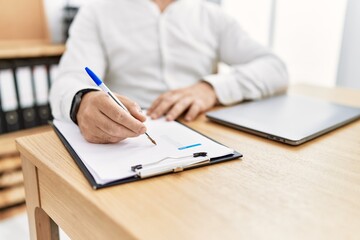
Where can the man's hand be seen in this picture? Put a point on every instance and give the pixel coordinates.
(101, 120)
(195, 99)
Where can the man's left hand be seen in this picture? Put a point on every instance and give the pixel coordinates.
(193, 100)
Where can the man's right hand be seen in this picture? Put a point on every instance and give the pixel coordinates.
(101, 120)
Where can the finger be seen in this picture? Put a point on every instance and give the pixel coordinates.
(114, 129)
(178, 109)
(120, 116)
(164, 105)
(150, 110)
(133, 107)
(193, 112)
(159, 100)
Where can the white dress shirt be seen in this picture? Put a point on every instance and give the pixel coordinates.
(141, 52)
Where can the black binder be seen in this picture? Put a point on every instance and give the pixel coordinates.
(43, 114)
(27, 113)
(95, 185)
(2, 117)
(13, 120)
(41, 108)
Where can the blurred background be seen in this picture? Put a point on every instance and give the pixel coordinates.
(317, 39)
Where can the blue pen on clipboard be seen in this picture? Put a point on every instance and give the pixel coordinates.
(190, 146)
(102, 85)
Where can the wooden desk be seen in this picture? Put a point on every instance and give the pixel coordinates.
(274, 192)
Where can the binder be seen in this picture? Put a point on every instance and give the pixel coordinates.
(84, 169)
(2, 115)
(25, 89)
(41, 91)
(10, 101)
(43, 113)
(24, 96)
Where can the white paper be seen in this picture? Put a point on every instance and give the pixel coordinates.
(110, 162)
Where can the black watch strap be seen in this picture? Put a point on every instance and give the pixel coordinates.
(75, 105)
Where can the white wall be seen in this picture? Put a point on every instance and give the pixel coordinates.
(308, 37)
(307, 34)
(349, 69)
(253, 16)
(54, 17)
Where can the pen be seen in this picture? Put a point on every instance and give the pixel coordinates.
(102, 85)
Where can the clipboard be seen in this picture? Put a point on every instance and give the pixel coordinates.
(95, 185)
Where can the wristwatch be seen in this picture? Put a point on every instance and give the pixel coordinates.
(75, 105)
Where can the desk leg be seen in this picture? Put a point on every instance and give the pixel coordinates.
(40, 224)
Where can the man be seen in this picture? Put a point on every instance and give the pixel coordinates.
(163, 55)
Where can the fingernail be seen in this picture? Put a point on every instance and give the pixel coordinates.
(188, 118)
(169, 118)
(153, 116)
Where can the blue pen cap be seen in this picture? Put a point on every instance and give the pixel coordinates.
(93, 76)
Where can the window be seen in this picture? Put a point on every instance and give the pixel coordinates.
(307, 34)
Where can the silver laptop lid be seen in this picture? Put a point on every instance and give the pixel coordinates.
(290, 119)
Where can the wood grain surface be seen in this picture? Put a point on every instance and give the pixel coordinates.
(9, 164)
(12, 196)
(7, 141)
(275, 192)
(20, 49)
(13, 211)
(10, 179)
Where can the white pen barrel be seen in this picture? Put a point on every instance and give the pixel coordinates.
(104, 87)
(107, 90)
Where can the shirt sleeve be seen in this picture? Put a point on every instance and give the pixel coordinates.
(255, 71)
(83, 48)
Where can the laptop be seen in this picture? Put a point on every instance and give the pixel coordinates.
(290, 119)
